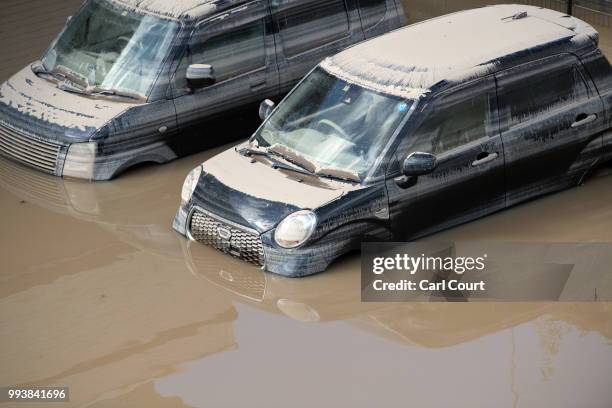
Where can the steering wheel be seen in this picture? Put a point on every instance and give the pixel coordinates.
(331, 125)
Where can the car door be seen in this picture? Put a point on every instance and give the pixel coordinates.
(309, 31)
(460, 128)
(549, 117)
(239, 46)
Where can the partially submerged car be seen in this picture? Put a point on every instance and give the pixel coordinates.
(407, 134)
(133, 81)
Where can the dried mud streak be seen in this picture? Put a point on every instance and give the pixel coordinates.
(455, 48)
(419, 10)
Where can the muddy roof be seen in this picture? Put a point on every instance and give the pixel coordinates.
(188, 9)
(461, 46)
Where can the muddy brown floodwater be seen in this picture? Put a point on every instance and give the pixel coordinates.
(98, 294)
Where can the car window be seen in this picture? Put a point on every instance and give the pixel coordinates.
(108, 46)
(528, 98)
(372, 12)
(332, 123)
(455, 120)
(310, 24)
(231, 53)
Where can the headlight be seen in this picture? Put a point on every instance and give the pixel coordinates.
(295, 229)
(190, 184)
(80, 160)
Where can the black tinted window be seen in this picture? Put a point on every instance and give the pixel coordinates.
(531, 96)
(372, 12)
(455, 121)
(311, 24)
(234, 52)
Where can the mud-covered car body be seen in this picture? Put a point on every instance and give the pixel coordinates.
(130, 81)
(496, 105)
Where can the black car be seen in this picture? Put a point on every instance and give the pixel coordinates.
(407, 134)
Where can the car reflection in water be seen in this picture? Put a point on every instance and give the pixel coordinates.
(136, 210)
(335, 295)
(94, 310)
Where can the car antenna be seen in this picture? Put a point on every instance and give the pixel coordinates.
(516, 16)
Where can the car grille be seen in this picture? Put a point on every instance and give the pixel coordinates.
(17, 145)
(226, 237)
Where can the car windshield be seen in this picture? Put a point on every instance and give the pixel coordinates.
(332, 126)
(111, 48)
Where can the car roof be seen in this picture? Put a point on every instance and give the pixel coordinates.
(179, 9)
(412, 61)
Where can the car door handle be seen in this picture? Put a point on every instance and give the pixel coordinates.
(486, 159)
(583, 119)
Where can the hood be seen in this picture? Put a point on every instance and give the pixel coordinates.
(255, 195)
(36, 105)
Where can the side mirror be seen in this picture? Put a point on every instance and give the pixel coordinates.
(419, 164)
(416, 164)
(200, 76)
(265, 109)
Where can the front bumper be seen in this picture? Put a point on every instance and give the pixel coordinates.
(260, 249)
(61, 159)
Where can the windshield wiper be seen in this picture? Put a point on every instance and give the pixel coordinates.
(282, 166)
(39, 68)
(339, 174)
(74, 88)
(293, 157)
(113, 92)
(248, 151)
(303, 165)
(63, 85)
(69, 76)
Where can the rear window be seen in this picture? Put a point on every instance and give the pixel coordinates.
(532, 96)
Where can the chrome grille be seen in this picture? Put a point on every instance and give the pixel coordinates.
(16, 145)
(226, 237)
